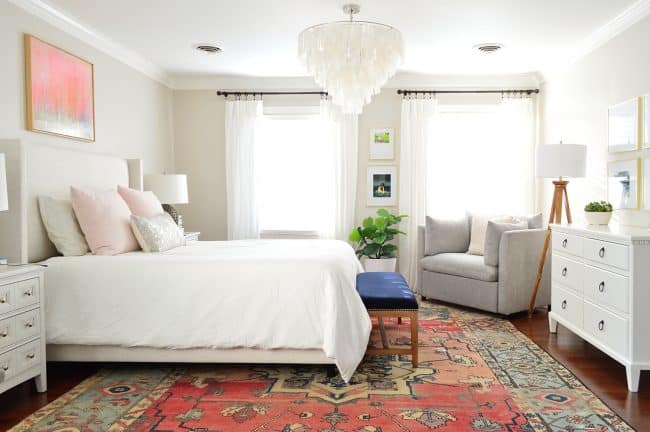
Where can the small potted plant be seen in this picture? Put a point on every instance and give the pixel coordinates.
(598, 212)
(373, 238)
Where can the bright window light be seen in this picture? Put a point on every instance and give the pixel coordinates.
(294, 167)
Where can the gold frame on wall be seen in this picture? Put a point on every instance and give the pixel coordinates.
(644, 121)
(27, 38)
(639, 182)
(637, 102)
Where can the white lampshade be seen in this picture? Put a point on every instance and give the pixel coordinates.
(4, 196)
(561, 160)
(169, 188)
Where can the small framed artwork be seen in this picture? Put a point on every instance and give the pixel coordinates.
(623, 184)
(59, 91)
(646, 122)
(382, 143)
(382, 186)
(646, 183)
(623, 126)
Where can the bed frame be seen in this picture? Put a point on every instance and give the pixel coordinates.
(37, 169)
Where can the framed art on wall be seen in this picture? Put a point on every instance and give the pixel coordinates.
(382, 186)
(59, 91)
(623, 126)
(646, 122)
(382, 143)
(623, 184)
(646, 183)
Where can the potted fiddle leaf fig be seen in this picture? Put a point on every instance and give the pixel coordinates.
(598, 212)
(373, 241)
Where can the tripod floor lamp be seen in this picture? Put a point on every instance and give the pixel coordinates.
(557, 161)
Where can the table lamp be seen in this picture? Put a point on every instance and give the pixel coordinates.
(170, 189)
(557, 161)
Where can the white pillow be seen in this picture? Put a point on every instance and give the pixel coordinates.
(157, 233)
(62, 226)
(479, 226)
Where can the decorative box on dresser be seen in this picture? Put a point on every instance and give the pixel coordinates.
(600, 290)
(22, 327)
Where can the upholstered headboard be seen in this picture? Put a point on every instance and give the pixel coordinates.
(37, 169)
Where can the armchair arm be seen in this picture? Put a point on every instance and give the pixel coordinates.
(519, 255)
(421, 234)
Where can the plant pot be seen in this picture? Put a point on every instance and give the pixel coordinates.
(379, 264)
(598, 218)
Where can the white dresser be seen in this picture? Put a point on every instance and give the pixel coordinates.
(22, 327)
(600, 290)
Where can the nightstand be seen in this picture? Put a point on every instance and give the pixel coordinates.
(192, 236)
(22, 327)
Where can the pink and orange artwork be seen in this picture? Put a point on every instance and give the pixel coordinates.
(60, 97)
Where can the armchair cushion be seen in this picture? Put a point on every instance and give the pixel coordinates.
(493, 239)
(444, 236)
(479, 226)
(460, 264)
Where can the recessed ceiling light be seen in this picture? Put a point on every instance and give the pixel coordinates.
(488, 48)
(207, 48)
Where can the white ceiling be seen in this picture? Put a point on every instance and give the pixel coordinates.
(259, 37)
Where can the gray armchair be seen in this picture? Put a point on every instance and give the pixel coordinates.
(447, 274)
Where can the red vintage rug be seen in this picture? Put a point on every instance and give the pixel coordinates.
(477, 373)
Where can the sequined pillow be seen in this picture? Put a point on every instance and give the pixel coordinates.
(157, 233)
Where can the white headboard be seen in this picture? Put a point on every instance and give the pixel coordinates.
(37, 169)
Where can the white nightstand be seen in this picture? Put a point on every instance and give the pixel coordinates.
(22, 327)
(192, 236)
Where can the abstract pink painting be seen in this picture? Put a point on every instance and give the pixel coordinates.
(60, 97)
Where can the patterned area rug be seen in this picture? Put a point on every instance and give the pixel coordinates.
(477, 373)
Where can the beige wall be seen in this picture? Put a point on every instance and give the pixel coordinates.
(573, 108)
(133, 112)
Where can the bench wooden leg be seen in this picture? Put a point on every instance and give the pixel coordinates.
(399, 320)
(414, 339)
(387, 349)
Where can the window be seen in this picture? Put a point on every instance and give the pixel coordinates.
(480, 158)
(294, 169)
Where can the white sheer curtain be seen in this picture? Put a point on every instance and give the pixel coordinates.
(415, 127)
(342, 132)
(481, 158)
(242, 117)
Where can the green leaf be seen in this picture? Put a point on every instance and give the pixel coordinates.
(389, 249)
(355, 235)
(383, 213)
(368, 222)
(371, 250)
(380, 239)
(370, 232)
(381, 223)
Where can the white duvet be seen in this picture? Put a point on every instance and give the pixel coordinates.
(255, 293)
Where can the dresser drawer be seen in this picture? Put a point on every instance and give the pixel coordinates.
(27, 325)
(603, 287)
(608, 328)
(26, 292)
(567, 272)
(8, 364)
(567, 305)
(27, 356)
(567, 243)
(613, 254)
(7, 332)
(7, 298)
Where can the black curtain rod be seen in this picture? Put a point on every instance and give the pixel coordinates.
(263, 93)
(407, 92)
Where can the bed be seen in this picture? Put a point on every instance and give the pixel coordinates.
(255, 301)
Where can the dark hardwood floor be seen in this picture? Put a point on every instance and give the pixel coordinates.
(601, 374)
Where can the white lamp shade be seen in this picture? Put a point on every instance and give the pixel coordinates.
(561, 160)
(169, 188)
(4, 197)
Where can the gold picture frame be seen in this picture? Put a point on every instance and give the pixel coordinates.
(623, 126)
(59, 91)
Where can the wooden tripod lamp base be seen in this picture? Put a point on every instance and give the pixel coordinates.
(560, 200)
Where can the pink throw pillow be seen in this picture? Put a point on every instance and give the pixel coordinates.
(104, 219)
(144, 204)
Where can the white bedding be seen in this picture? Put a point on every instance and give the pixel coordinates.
(255, 293)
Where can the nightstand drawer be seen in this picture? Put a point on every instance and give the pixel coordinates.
(567, 272)
(567, 243)
(607, 288)
(26, 292)
(27, 325)
(613, 254)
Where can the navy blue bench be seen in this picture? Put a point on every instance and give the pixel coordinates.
(386, 294)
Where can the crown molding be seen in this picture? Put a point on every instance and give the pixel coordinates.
(94, 38)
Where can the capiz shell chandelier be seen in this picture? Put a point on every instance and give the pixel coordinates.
(351, 60)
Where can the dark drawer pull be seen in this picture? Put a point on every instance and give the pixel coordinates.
(5, 367)
(601, 325)
(601, 252)
(564, 270)
(601, 286)
(31, 356)
(564, 243)
(563, 304)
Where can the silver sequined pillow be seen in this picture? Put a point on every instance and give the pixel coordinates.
(157, 233)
